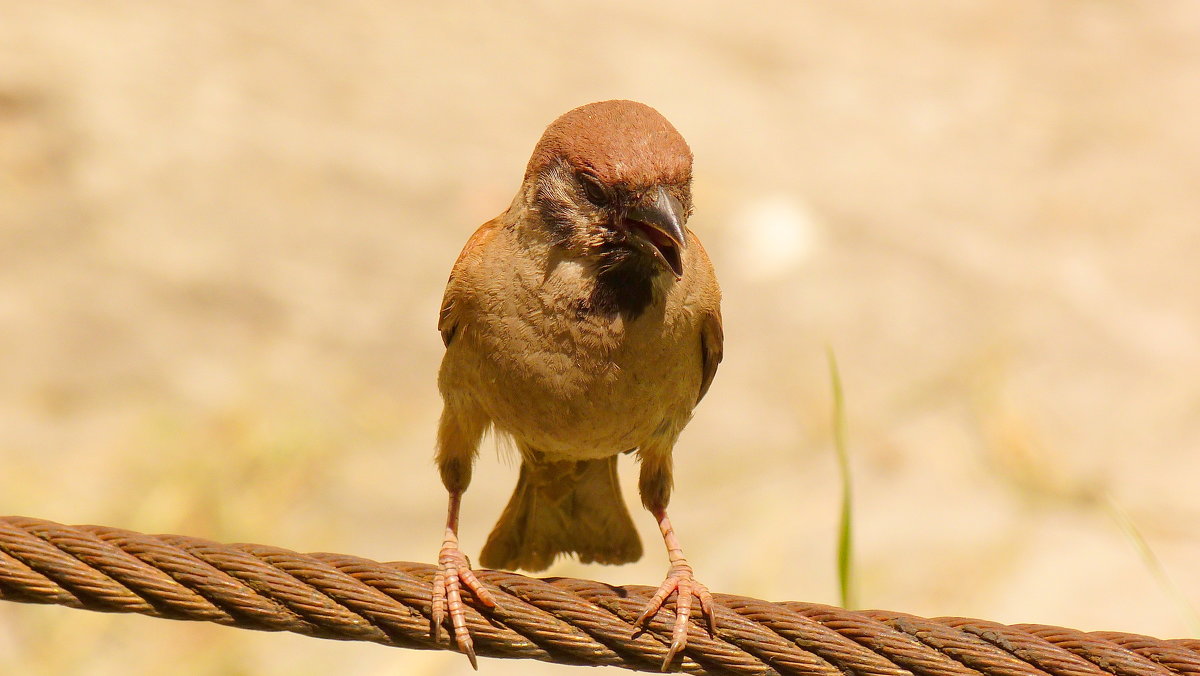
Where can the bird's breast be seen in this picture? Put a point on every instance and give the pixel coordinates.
(570, 376)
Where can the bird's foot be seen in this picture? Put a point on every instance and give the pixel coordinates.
(454, 572)
(681, 581)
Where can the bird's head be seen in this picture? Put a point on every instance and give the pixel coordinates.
(611, 181)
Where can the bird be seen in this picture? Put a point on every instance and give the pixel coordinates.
(582, 323)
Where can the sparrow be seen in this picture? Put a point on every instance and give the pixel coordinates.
(583, 322)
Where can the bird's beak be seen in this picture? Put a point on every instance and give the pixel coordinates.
(658, 219)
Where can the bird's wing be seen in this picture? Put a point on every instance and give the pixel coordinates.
(459, 286)
(708, 304)
(712, 341)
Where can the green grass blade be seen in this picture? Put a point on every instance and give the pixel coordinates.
(845, 550)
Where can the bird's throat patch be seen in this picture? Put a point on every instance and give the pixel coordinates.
(625, 287)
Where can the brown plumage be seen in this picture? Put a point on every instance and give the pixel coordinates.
(582, 322)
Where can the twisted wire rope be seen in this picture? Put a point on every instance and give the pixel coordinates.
(563, 620)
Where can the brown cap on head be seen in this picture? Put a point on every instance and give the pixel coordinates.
(621, 142)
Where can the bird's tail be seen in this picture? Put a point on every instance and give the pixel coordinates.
(570, 507)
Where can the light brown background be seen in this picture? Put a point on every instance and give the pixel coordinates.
(225, 227)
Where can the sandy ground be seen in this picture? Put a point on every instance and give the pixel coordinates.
(225, 228)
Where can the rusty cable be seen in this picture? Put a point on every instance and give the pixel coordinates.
(562, 620)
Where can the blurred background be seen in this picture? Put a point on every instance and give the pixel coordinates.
(225, 228)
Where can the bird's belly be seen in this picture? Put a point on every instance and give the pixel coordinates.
(588, 418)
(586, 403)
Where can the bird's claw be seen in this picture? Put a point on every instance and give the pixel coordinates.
(454, 572)
(681, 582)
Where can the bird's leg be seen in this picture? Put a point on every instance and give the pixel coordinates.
(655, 485)
(454, 571)
(459, 432)
(680, 580)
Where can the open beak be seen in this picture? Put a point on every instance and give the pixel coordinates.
(658, 218)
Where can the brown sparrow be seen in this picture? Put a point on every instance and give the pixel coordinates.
(583, 322)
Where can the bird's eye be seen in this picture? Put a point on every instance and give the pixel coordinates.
(596, 193)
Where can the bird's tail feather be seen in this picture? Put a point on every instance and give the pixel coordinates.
(569, 507)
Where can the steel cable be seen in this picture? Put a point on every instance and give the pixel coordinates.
(561, 620)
